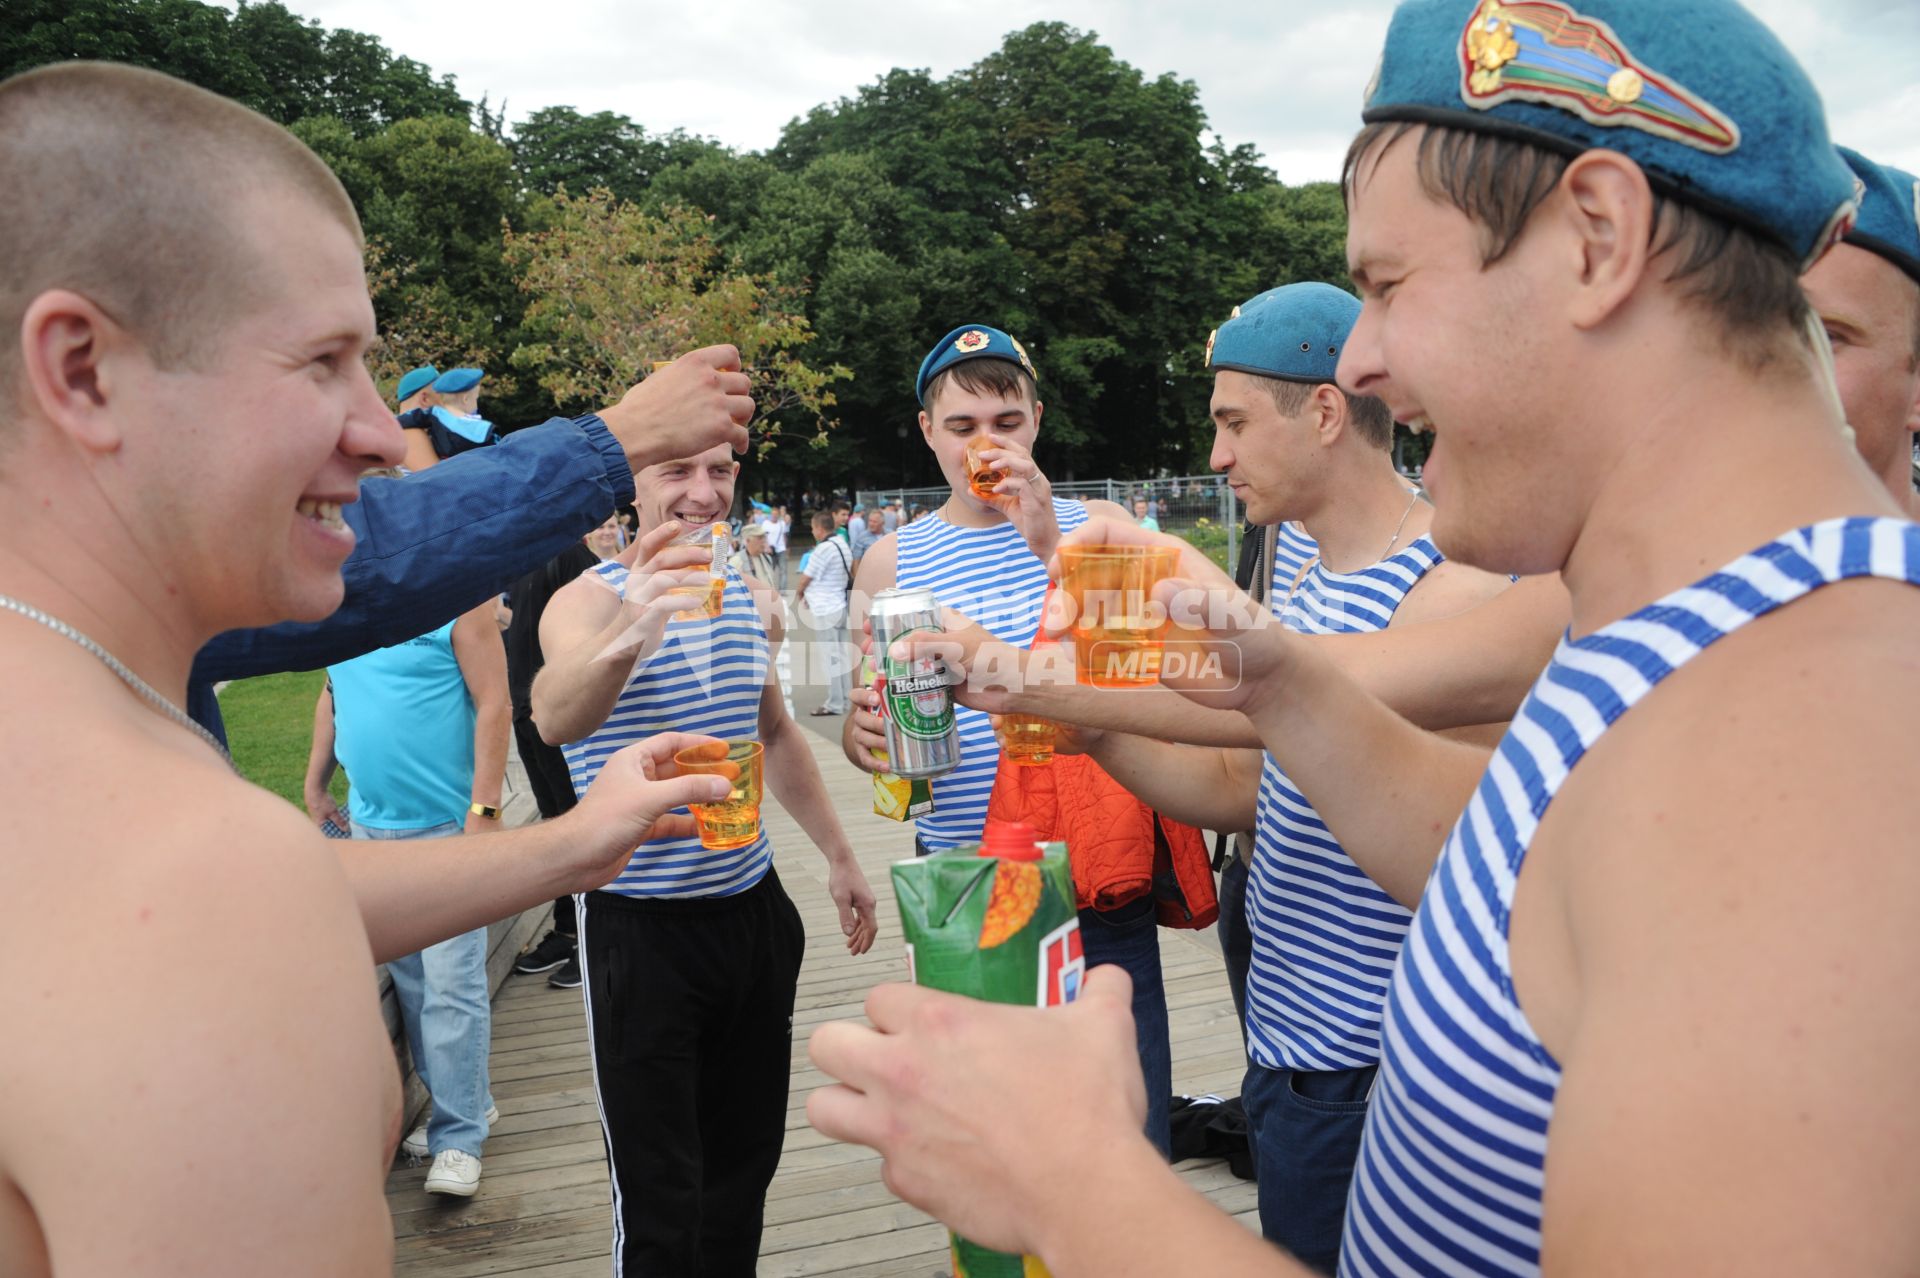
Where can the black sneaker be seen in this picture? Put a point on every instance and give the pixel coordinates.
(554, 949)
(568, 976)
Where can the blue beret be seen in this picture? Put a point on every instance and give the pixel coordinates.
(1295, 332)
(412, 383)
(455, 380)
(1700, 95)
(1889, 212)
(970, 341)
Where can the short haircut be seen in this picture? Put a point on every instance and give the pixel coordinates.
(821, 519)
(839, 506)
(128, 187)
(1369, 413)
(1750, 285)
(985, 377)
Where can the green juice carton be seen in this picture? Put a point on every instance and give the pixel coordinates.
(995, 922)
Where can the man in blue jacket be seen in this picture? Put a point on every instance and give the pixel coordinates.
(431, 546)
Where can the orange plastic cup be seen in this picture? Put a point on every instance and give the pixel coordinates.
(734, 821)
(1028, 739)
(1117, 628)
(705, 599)
(981, 477)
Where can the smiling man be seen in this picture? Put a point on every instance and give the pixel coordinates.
(1652, 1013)
(184, 410)
(1295, 447)
(691, 955)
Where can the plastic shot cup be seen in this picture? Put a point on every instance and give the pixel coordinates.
(1117, 628)
(981, 477)
(704, 599)
(1027, 738)
(734, 821)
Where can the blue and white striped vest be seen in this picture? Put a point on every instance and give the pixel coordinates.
(1325, 936)
(991, 576)
(705, 677)
(1451, 1172)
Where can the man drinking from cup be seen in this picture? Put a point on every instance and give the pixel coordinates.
(983, 552)
(692, 953)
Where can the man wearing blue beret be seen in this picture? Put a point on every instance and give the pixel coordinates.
(450, 423)
(1295, 447)
(1867, 294)
(415, 389)
(986, 557)
(1653, 1013)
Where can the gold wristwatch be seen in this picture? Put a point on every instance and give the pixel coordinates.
(486, 810)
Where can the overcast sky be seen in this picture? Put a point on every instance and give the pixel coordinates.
(1286, 76)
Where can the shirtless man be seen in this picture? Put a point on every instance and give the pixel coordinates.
(183, 408)
(1679, 965)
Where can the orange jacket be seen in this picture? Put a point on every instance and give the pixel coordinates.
(1120, 848)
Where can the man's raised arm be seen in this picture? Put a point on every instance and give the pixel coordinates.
(437, 888)
(593, 637)
(433, 545)
(1472, 667)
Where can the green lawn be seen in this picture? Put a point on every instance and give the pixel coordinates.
(270, 727)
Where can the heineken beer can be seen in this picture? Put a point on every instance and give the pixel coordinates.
(999, 923)
(915, 701)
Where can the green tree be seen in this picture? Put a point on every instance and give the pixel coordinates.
(183, 38)
(612, 288)
(1051, 189)
(434, 195)
(286, 67)
(558, 147)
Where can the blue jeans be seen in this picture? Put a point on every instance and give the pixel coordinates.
(1236, 942)
(1304, 1127)
(448, 1019)
(1129, 938)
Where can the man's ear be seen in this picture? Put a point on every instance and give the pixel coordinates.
(1603, 210)
(1329, 414)
(66, 347)
(1038, 409)
(926, 427)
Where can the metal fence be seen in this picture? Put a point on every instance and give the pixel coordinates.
(1200, 508)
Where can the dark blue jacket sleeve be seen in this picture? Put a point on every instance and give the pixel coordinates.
(435, 544)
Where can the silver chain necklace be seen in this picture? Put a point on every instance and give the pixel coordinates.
(1412, 500)
(140, 686)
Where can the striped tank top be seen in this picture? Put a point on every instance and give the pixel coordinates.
(705, 677)
(1451, 1170)
(1325, 936)
(991, 576)
(1293, 548)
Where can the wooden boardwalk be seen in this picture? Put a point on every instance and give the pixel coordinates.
(543, 1206)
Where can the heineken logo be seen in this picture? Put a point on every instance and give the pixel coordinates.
(917, 685)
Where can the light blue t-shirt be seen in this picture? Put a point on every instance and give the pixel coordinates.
(403, 730)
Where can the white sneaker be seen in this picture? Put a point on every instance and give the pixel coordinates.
(415, 1145)
(454, 1173)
